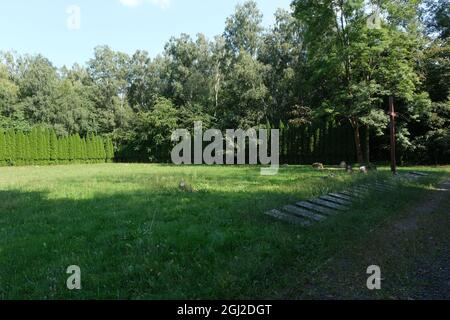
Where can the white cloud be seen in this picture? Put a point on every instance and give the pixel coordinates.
(162, 4)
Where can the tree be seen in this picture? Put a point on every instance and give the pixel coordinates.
(282, 50)
(244, 94)
(10, 140)
(53, 141)
(109, 72)
(109, 150)
(145, 82)
(20, 146)
(188, 70)
(2, 147)
(436, 17)
(37, 80)
(153, 131)
(243, 30)
(351, 56)
(8, 94)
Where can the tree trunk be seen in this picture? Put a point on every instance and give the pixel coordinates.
(359, 153)
(367, 145)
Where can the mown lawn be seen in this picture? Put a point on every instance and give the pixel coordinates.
(135, 235)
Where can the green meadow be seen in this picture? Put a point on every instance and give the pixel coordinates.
(136, 235)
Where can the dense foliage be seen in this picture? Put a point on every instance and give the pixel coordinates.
(42, 146)
(327, 61)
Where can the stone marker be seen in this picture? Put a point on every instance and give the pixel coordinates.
(336, 200)
(304, 213)
(361, 189)
(352, 194)
(384, 186)
(328, 204)
(318, 166)
(380, 189)
(287, 217)
(341, 196)
(419, 173)
(317, 208)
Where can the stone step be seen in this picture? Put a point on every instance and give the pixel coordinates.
(352, 194)
(421, 174)
(336, 200)
(361, 190)
(328, 204)
(317, 208)
(389, 182)
(303, 213)
(382, 188)
(341, 196)
(383, 185)
(277, 214)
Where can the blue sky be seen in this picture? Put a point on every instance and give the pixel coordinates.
(41, 26)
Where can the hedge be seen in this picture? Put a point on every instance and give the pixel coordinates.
(42, 146)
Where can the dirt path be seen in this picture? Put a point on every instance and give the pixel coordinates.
(412, 252)
(434, 274)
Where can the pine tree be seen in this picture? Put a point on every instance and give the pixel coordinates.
(2, 147)
(19, 152)
(53, 145)
(109, 149)
(60, 150)
(89, 148)
(101, 144)
(98, 152)
(34, 145)
(83, 150)
(11, 146)
(70, 148)
(66, 149)
(96, 148)
(40, 145)
(27, 150)
(79, 148)
(47, 147)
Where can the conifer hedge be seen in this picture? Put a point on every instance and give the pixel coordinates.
(42, 146)
(326, 142)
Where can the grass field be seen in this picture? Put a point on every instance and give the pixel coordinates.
(135, 235)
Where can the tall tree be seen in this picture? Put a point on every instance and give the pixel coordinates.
(361, 52)
(243, 30)
(109, 72)
(244, 94)
(282, 50)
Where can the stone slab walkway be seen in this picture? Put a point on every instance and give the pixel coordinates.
(307, 213)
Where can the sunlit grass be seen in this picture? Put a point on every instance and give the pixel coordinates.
(136, 235)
